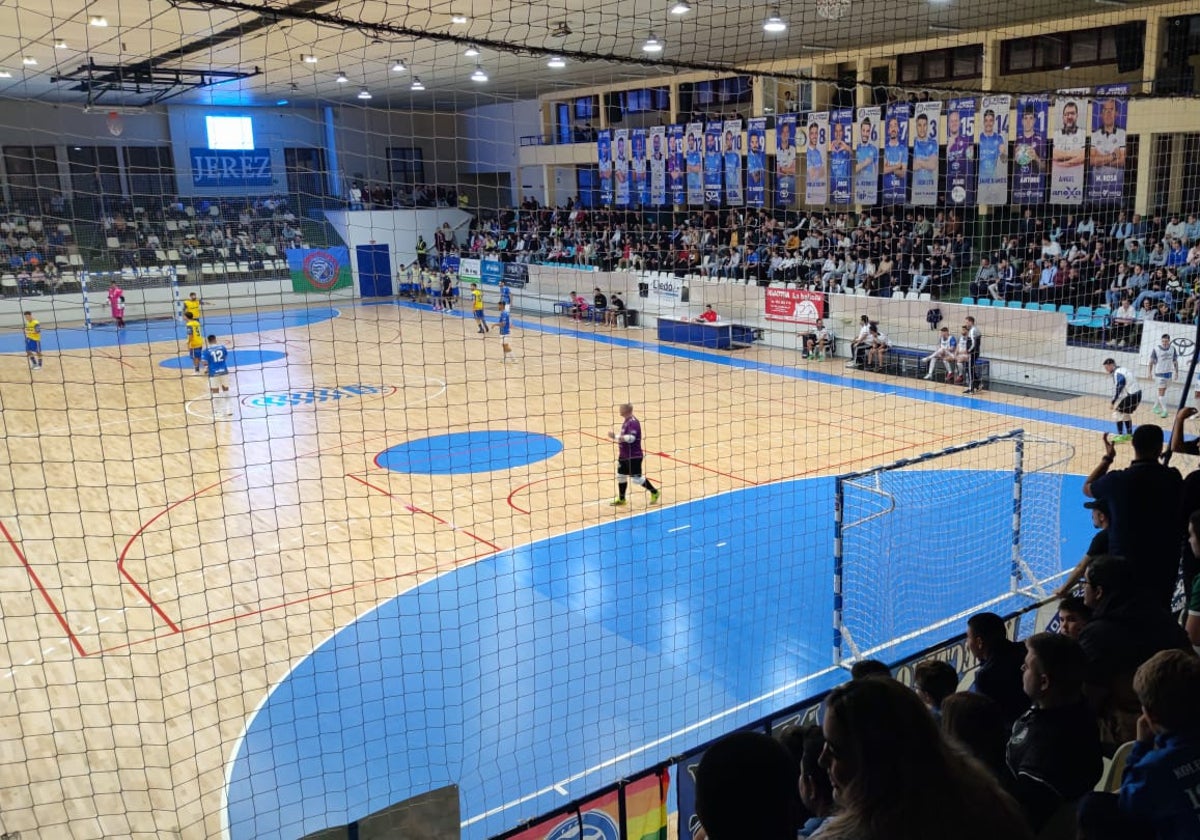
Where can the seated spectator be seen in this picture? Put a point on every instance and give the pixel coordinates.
(1001, 663)
(985, 278)
(877, 353)
(1073, 616)
(746, 787)
(816, 790)
(819, 341)
(864, 668)
(896, 778)
(934, 680)
(976, 723)
(1127, 628)
(616, 311)
(599, 303)
(1124, 323)
(1054, 752)
(1193, 599)
(1162, 773)
(579, 306)
(708, 316)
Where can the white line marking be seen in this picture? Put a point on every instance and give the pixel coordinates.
(680, 528)
(561, 789)
(722, 545)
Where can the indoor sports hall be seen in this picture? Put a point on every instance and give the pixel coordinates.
(379, 586)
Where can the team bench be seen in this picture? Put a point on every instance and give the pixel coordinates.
(906, 361)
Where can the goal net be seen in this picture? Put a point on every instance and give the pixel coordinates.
(925, 542)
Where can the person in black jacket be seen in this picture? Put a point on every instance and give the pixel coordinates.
(999, 674)
(1054, 751)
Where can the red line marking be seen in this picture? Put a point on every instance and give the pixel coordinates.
(413, 509)
(125, 551)
(114, 358)
(45, 595)
(681, 461)
(529, 484)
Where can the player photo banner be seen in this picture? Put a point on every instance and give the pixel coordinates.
(795, 306)
(895, 154)
(866, 156)
(1029, 150)
(841, 156)
(1070, 147)
(1110, 118)
(604, 155)
(319, 270)
(993, 150)
(732, 146)
(695, 163)
(621, 166)
(640, 193)
(676, 164)
(756, 162)
(960, 152)
(785, 159)
(712, 163)
(925, 153)
(658, 165)
(816, 179)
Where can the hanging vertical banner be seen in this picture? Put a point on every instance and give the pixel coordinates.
(785, 159)
(1106, 183)
(1029, 150)
(604, 153)
(841, 156)
(866, 157)
(925, 153)
(895, 154)
(640, 194)
(676, 164)
(658, 166)
(600, 817)
(993, 150)
(646, 806)
(621, 166)
(733, 162)
(960, 152)
(816, 180)
(712, 163)
(1070, 147)
(756, 162)
(695, 163)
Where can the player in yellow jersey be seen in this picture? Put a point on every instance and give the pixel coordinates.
(477, 307)
(191, 308)
(195, 341)
(33, 340)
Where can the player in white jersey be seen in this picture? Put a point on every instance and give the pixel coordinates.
(946, 350)
(1164, 366)
(1127, 396)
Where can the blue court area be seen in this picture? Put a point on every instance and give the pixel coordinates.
(150, 332)
(462, 453)
(542, 672)
(235, 359)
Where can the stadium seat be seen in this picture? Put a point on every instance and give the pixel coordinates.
(1033, 306)
(181, 271)
(1068, 310)
(984, 302)
(173, 255)
(1110, 782)
(207, 271)
(968, 301)
(8, 285)
(1100, 316)
(1049, 307)
(925, 296)
(112, 242)
(860, 292)
(1014, 304)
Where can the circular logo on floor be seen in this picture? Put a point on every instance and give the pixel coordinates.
(321, 268)
(312, 396)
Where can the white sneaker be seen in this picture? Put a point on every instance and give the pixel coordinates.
(928, 375)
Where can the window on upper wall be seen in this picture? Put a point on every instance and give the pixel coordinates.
(941, 65)
(1066, 50)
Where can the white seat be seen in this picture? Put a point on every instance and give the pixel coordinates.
(8, 284)
(75, 259)
(161, 256)
(207, 270)
(64, 229)
(243, 267)
(181, 271)
(860, 292)
(112, 242)
(925, 296)
(172, 225)
(172, 255)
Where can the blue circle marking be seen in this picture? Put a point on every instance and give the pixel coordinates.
(469, 452)
(237, 359)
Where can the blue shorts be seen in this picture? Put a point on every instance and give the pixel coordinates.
(32, 346)
(195, 352)
(1164, 378)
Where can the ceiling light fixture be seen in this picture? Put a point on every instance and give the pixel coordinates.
(653, 45)
(775, 24)
(480, 75)
(416, 84)
(29, 61)
(399, 66)
(458, 18)
(557, 62)
(471, 51)
(680, 7)
(5, 74)
(309, 59)
(98, 20)
(341, 78)
(364, 94)
(60, 44)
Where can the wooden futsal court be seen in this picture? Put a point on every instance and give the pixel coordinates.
(164, 569)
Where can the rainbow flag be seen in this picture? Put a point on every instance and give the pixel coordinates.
(646, 807)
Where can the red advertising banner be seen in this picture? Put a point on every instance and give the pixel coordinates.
(797, 306)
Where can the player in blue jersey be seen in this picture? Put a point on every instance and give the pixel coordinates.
(839, 156)
(895, 160)
(505, 294)
(216, 360)
(992, 149)
(504, 321)
(925, 155)
(866, 163)
(629, 457)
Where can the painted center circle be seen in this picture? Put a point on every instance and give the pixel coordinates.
(237, 359)
(469, 452)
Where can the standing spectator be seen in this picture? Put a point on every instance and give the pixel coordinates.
(629, 457)
(896, 778)
(1054, 752)
(746, 787)
(934, 680)
(1001, 661)
(1143, 501)
(1098, 545)
(973, 349)
(1158, 788)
